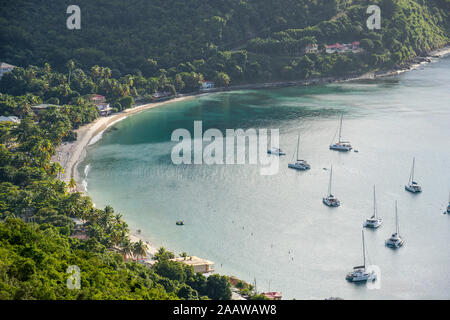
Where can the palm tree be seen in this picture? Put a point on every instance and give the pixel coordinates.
(70, 66)
(140, 249)
(127, 249)
(183, 255)
(72, 184)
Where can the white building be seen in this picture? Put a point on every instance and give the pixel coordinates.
(4, 68)
(12, 119)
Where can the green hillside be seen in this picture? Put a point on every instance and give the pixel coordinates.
(250, 41)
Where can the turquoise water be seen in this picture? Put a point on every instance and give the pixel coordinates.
(275, 229)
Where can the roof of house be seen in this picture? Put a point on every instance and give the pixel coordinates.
(355, 43)
(9, 118)
(44, 106)
(4, 65)
(336, 45)
(96, 97)
(194, 261)
(272, 295)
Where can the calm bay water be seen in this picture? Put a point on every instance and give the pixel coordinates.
(275, 229)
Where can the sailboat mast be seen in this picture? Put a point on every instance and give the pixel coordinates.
(329, 184)
(374, 203)
(340, 127)
(397, 230)
(412, 170)
(364, 249)
(298, 143)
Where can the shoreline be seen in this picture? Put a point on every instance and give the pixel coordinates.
(69, 155)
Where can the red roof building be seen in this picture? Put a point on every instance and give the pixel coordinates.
(272, 295)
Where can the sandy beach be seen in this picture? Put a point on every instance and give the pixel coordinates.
(70, 154)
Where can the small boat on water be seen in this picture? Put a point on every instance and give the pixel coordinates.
(331, 200)
(373, 222)
(395, 241)
(412, 185)
(341, 145)
(276, 151)
(360, 273)
(180, 223)
(299, 164)
(448, 207)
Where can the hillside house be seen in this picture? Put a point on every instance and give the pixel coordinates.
(4, 68)
(12, 119)
(42, 107)
(312, 48)
(207, 84)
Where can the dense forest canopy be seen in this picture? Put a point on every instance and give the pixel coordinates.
(248, 40)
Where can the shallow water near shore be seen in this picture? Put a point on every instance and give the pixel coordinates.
(275, 229)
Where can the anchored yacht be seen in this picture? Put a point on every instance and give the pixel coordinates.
(341, 145)
(276, 151)
(299, 164)
(395, 241)
(360, 273)
(448, 207)
(331, 200)
(373, 222)
(413, 186)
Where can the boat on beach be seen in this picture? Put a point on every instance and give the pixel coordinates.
(412, 185)
(374, 221)
(360, 273)
(331, 200)
(299, 164)
(341, 145)
(395, 241)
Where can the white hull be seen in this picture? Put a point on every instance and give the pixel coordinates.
(331, 202)
(413, 188)
(299, 166)
(276, 152)
(358, 276)
(340, 147)
(395, 242)
(372, 223)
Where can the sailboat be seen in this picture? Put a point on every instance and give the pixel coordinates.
(413, 186)
(448, 207)
(360, 273)
(299, 164)
(373, 222)
(395, 241)
(276, 151)
(341, 145)
(331, 200)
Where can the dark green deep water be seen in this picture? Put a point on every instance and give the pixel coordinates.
(275, 228)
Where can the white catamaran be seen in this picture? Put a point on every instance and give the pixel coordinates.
(331, 200)
(448, 207)
(395, 241)
(373, 222)
(360, 273)
(341, 145)
(413, 186)
(299, 164)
